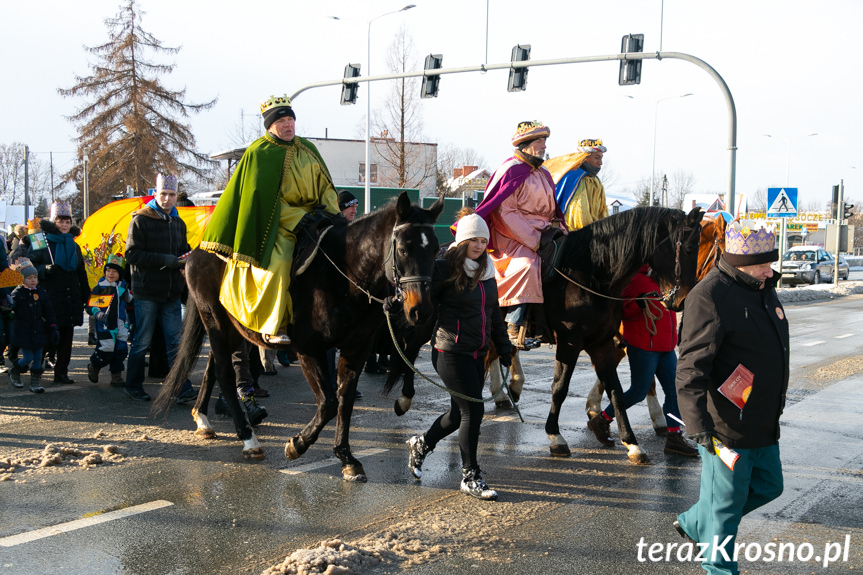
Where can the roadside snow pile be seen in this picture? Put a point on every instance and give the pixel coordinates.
(820, 291)
(55, 455)
(333, 557)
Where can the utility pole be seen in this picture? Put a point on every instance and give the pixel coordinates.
(86, 186)
(26, 184)
(839, 215)
(51, 161)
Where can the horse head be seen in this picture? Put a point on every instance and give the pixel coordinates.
(410, 262)
(712, 245)
(675, 260)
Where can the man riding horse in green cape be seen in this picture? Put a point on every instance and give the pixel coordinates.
(280, 178)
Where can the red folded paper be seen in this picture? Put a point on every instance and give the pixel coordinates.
(738, 386)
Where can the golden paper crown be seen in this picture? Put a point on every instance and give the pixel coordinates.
(116, 260)
(275, 102)
(591, 146)
(530, 131)
(747, 237)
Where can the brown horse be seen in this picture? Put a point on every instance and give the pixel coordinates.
(336, 304)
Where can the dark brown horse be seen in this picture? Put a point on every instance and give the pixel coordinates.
(597, 262)
(336, 304)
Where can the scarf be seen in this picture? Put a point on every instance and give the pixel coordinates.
(153, 204)
(65, 251)
(471, 266)
(591, 170)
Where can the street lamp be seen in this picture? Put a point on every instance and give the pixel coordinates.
(788, 149)
(655, 114)
(368, 192)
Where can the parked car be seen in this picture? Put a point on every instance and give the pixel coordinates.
(810, 265)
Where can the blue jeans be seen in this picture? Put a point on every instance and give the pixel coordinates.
(31, 357)
(644, 365)
(515, 314)
(147, 313)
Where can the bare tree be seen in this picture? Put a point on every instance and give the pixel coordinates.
(129, 126)
(680, 184)
(757, 202)
(399, 123)
(12, 175)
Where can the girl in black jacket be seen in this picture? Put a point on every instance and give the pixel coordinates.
(468, 317)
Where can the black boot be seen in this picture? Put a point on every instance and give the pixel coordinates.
(417, 451)
(256, 413)
(474, 485)
(221, 407)
(15, 375)
(36, 381)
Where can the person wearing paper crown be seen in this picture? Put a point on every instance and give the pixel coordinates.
(156, 247)
(519, 208)
(579, 192)
(107, 304)
(734, 322)
(62, 273)
(279, 179)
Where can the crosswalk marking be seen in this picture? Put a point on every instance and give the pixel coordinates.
(328, 461)
(36, 534)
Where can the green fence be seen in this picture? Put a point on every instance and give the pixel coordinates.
(451, 206)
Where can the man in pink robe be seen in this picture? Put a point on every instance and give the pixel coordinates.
(518, 205)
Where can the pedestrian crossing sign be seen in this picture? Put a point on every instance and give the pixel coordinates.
(782, 202)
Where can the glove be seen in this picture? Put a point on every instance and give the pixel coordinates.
(704, 439)
(49, 269)
(506, 360)
(54, 339)
(173, 262)
(390, 303)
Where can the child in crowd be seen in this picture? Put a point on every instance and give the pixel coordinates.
(33, 327)
(108, 306)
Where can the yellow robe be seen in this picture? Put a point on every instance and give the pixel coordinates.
(257, 297)
(587, 204)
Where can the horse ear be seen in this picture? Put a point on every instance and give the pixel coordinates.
(694, 217)
(436, 208)
(403, 207)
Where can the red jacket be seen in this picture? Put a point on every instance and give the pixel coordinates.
(636, 320)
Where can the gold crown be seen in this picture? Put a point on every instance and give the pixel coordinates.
(528, 126)
(275, 102)
(590, 143)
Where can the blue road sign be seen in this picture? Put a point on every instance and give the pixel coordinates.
(781, 202)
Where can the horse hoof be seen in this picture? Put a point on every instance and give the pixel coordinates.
(637, 456)
(560, 451)
(516, 395)
(206, 433)
(291, 451)
(355, 473)
(254, 453)
(402, 405)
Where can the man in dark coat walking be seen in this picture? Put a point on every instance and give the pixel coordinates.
(734, 327)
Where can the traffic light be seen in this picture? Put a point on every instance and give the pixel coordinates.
(630, 70)
(518, 76)
(349, 91)
(432, 83)
(835, 203)
(847, 212)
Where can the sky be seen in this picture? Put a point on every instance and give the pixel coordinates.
(791, 67)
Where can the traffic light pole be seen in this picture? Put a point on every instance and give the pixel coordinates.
(840, 204)
(729, 100)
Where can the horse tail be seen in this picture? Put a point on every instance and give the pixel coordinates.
(184, 362)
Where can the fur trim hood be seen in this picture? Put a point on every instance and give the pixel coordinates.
(50, 227)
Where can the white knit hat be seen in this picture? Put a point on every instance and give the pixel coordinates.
(470, 226)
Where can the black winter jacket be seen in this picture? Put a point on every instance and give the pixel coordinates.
(467, 321)
(154, 241)
(728, 322)
(34, 317)
(68, 290)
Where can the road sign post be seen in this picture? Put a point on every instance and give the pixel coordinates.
(782, 203)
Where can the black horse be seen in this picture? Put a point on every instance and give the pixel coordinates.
(582, 306)
(336, 303)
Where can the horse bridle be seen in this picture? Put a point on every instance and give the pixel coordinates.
(667, 296)
(391, 268)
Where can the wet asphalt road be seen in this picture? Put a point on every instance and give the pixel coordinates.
(212, 512)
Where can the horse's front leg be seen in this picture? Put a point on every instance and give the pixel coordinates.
(605, 363)
(657, 418)
(348, 373)
(199, 412)
(316, 373)
(564, 365)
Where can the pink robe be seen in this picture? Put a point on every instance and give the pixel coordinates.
(515, 231)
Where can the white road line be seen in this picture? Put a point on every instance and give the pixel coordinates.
(329, 461)
(811, 343)
(36, 534)
(843, 336)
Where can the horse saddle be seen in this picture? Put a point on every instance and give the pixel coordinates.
(550, 247)
(310, 232)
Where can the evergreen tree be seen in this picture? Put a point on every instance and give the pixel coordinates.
(131, 126)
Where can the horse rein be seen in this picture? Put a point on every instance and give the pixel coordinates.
(391, 264)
